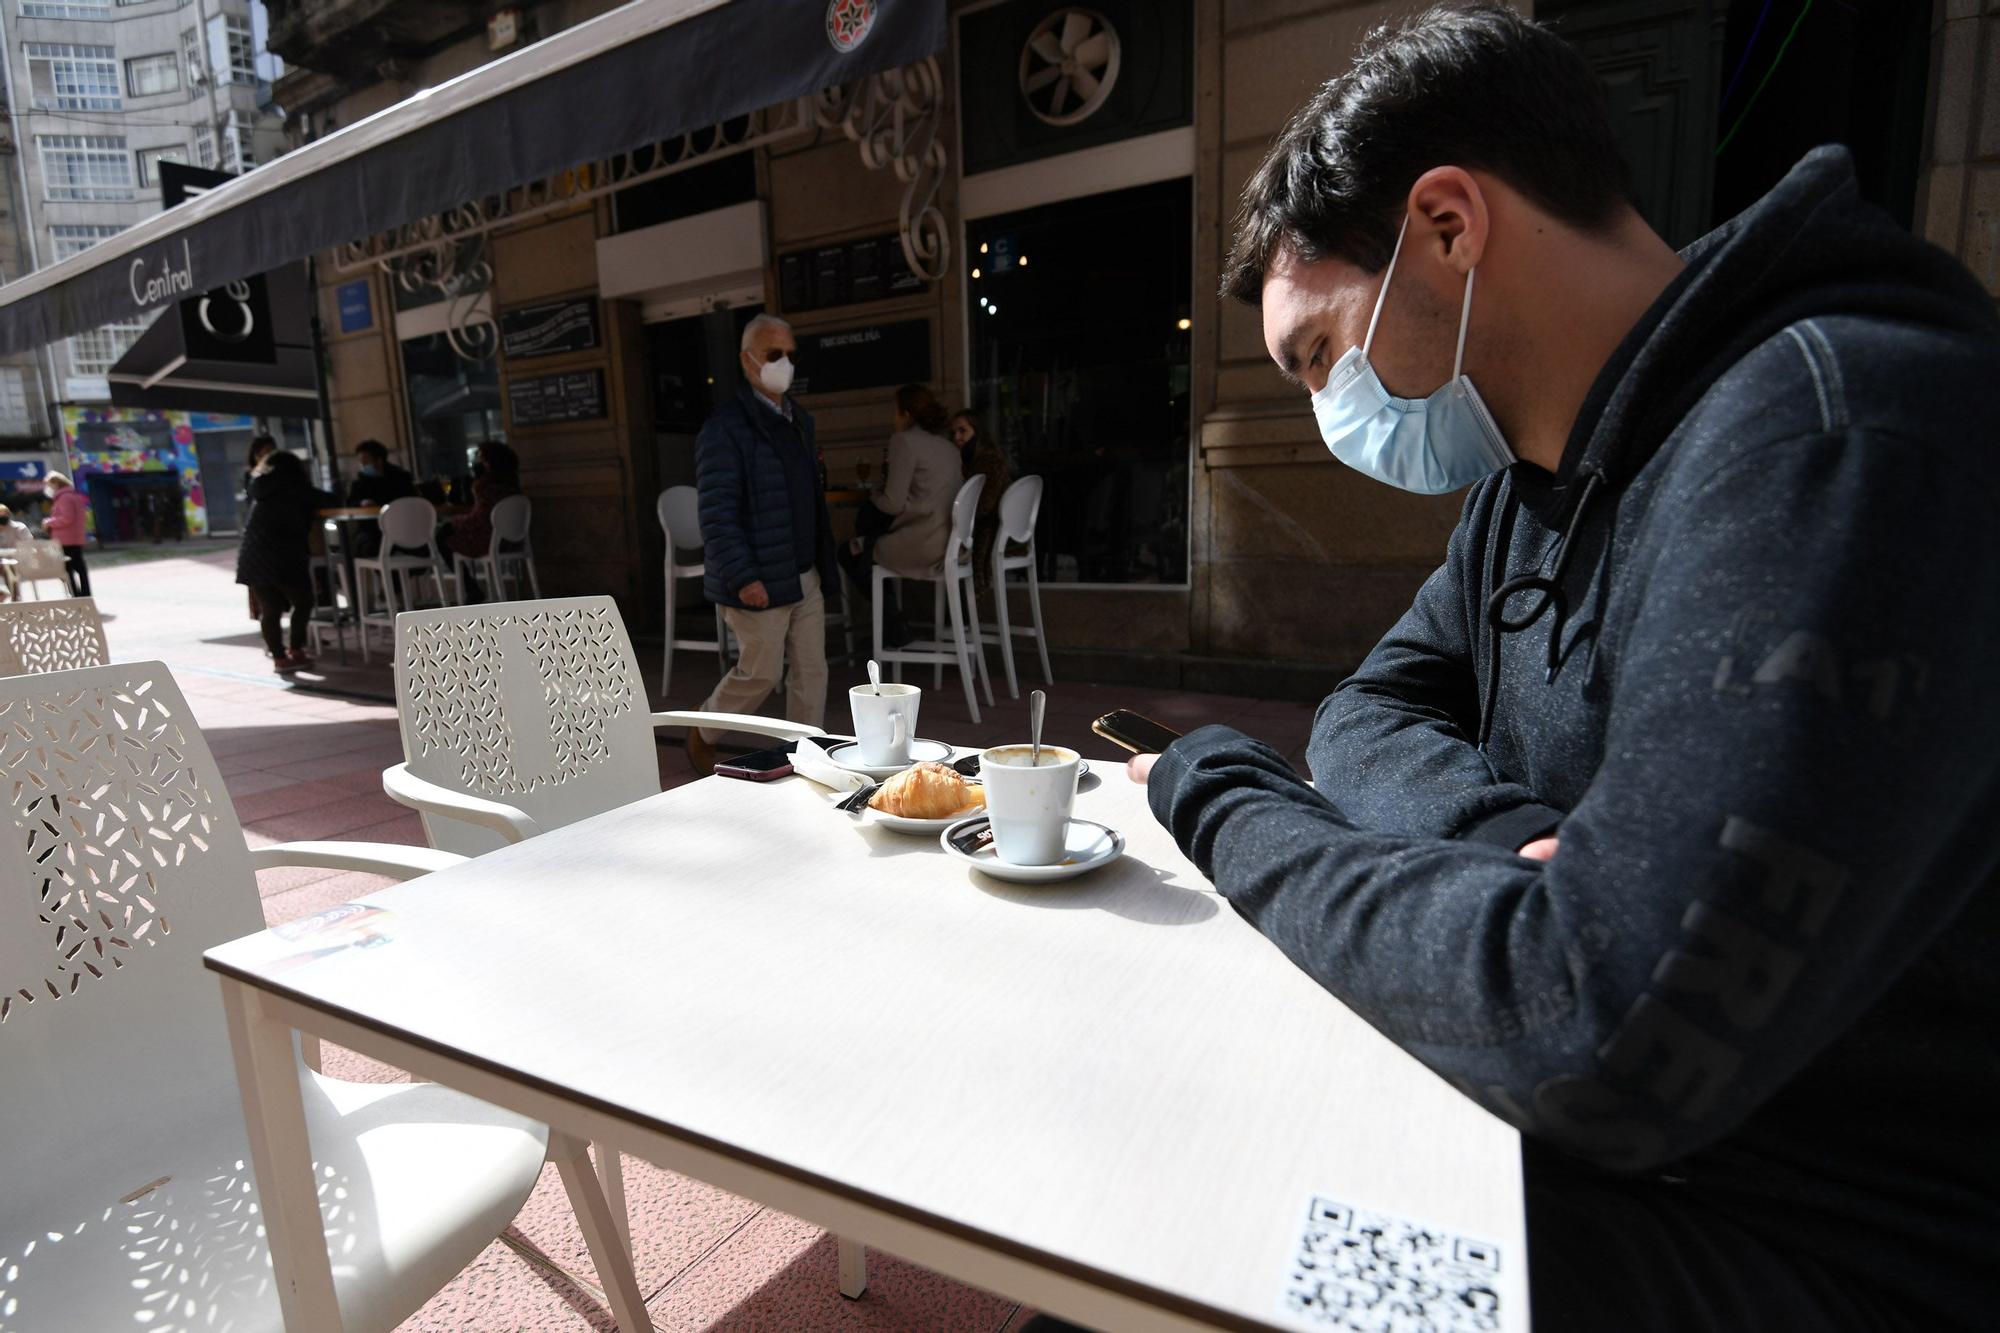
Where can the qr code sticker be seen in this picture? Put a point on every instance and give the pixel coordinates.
(1363, 1272)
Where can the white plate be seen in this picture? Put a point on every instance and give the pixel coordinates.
(905, 824)
(848, 756)
(1089, 845)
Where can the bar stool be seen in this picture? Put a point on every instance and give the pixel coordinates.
(509, 550)
(1020, 508)
(338, 611)
(409, 555)
(680, 520)
(953, 576)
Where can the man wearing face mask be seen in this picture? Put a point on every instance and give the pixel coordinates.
(1665, 824)
(766, 537)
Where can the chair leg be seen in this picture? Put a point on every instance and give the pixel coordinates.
(875, 605)
(959, 650)
(937, 628)
(1006, 630)
(611, 1176)
(1035, 605)
(853, 1267)
(600, 1236)
(667, 654)
(978, 636)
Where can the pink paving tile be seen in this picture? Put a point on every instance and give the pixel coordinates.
(283, 879)
(675, 1222)
(254, 783)
(781, 1273)
(339, 1062)
(337, 888)
(367, 779)
(284, 799)
(376, 754)
(406, 828)
(352, 811)
(502, 1290)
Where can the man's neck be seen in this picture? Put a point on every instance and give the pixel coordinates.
(776, 400)
(1601, 290)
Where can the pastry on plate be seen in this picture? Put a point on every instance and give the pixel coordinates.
(928, 791)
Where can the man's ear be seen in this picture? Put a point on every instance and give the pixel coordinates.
(1448, 218)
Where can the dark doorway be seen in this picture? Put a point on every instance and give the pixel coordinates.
(692, 365)
(137, 507)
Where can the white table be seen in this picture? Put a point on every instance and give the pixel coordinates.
(1110, 1098)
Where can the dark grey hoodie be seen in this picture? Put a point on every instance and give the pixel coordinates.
(1750, 675)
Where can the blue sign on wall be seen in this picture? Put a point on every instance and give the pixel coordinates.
(21, 469)
(356, 311)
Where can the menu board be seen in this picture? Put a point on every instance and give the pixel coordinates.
(539, 400)
(871, 356)
(845, 274)
(545, 330)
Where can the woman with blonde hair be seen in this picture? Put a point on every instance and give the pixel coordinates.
(68, 524)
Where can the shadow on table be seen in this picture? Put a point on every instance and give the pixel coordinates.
(1128, 887)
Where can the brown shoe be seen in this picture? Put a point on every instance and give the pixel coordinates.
(701, 753)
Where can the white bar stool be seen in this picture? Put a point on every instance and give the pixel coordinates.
(953, 576)
(680, 523)
(509, 551)
(409, 526)
(1020, 507)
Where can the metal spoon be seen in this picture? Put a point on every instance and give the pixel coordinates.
(874, 676)
(1036, 699)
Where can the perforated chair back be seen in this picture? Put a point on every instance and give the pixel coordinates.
(538, 704)
(1020, 508)
(40, 561)
(123, 862)
(964, 517)
(410, 522)
(51, 636)
(680, 518)
(511, 518)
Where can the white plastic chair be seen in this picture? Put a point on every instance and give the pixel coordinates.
(37, 562)
(51, 636)
(680, 524)
(510, 550)
(524, 716)
(409, 555)
(954, 600)
(334, 615)
(128, 1198)
(1020, 508)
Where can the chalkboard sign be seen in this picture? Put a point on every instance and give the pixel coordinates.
(845, 274)
(872, 356)
(538, 400)
(545, 330)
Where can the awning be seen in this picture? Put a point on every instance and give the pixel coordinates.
(157, 373)
(641, 73)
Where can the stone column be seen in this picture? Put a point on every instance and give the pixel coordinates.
(1958, 192)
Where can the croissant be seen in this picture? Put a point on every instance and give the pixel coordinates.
(928, 791)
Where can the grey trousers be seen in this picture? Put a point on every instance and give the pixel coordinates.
(766, 641)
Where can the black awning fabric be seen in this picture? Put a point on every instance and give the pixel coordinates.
(644, 72)
(156, 373)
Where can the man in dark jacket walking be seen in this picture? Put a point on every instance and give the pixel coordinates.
(767, 542)
(1665, 824)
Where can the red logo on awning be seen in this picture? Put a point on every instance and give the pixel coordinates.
(848, 23)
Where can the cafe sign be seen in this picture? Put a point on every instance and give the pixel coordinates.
(155, 283)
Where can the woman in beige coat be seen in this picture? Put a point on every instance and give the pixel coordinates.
(922, 479)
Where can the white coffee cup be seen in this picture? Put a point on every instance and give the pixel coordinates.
(885, 722)
(1029, 806)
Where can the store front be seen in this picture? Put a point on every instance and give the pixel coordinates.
(153, 476)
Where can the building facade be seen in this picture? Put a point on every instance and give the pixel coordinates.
(1039, 241)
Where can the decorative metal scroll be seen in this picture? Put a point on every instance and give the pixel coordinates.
(892, 116)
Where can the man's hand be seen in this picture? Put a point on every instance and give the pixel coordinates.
(1541, 849)
(1139, 767)
(753, 595)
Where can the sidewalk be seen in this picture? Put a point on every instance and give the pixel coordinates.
(301, 763)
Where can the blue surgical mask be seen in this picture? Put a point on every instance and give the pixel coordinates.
(371, 470)
(1427, 445)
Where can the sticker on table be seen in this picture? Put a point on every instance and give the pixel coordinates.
(1366, 1272)
(336, 930)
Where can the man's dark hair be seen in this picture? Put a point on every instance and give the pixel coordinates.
(1467, 85)
(373, 449)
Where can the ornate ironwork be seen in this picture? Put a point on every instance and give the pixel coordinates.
(893, 116)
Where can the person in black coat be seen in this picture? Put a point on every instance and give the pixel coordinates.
(377, 481)
(275, 559)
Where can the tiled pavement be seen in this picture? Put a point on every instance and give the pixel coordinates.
(301, 764)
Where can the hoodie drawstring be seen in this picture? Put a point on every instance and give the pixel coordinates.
(1550, 587)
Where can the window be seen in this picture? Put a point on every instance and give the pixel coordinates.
(95, 352)
(85, 166)
(191, 56)
(1097, 406)
(204, 145)
(232, 51)
(65, 9)
(149, 160)
(149, 76)
(73, 78)
(14, 417)
(239, 153)
(73, 238)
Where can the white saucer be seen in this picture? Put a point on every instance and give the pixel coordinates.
(905, 824)
(1089, 845)
(848, 756)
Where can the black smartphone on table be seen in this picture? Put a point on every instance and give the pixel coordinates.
(758, 765)
(1134, 731)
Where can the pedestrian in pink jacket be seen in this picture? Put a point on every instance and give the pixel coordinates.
(67, 524)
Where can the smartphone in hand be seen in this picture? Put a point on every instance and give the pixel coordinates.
(1134, 731)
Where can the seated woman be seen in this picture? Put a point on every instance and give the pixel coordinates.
(979, 456)
(916, 495)
(496, 474)
(275, 558)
